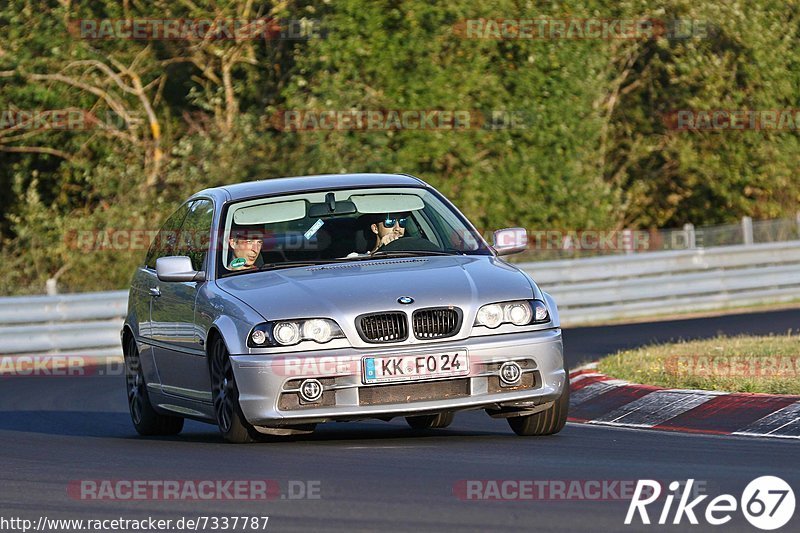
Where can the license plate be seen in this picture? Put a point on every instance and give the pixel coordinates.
(415, 367)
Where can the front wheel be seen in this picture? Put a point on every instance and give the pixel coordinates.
(145, 419)
(225, 395)
(548, 422)
(438, 421)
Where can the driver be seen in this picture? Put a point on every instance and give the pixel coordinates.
(246, 246)
(388, 228)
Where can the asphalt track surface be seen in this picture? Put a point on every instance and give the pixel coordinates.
(376, 476)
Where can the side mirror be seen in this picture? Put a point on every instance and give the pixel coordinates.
(177, 268)
(510, 241)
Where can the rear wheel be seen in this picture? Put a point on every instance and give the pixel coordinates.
(438, 421)
(547, 422)
(225, 394)
(145, 419)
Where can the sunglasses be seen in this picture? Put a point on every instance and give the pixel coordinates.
(389, 222)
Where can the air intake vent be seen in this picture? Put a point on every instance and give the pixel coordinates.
(436, 323)
(366, 264)
(383, 327)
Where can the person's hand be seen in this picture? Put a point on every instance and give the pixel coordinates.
(389, 237)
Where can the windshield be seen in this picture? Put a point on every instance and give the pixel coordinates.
(342, 225)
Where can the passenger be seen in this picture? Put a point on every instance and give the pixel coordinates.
(246, 246)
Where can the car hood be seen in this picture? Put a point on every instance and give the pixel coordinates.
(343, 290)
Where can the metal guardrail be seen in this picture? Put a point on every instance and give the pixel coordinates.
(63, 308)
(617, 287)
(85, 324)
(587, 290)
(564, 272)
(546, 245)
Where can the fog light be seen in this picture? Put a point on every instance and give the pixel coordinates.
(311, 390)
(510, 373)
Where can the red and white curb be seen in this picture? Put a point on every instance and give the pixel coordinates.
(598, 399)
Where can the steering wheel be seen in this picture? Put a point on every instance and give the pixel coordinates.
(408, 244)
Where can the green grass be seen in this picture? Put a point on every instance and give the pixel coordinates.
(732, 364)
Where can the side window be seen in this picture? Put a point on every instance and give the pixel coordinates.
(165, 242)
(195, 233)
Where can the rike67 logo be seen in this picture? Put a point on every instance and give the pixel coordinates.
(767, 503)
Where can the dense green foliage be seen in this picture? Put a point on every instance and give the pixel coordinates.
(591, 148)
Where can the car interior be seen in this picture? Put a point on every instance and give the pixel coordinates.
(337, 237)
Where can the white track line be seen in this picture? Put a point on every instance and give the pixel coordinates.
(776, 424)
(654, 408)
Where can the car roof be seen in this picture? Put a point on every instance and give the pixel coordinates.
(301, 184)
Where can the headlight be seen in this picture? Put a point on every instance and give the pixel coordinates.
(519, 313)
(490, 316)
(317, 330)
(290, 332)
(287, 333)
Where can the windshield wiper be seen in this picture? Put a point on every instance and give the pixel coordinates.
(290, 264)
(413, 253)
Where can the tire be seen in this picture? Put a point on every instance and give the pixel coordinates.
(438, 421)
(145, 419)
(547, 422)
(225, 395)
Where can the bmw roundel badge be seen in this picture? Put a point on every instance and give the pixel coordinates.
(405, 300)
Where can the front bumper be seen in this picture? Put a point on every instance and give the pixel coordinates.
(268, 384)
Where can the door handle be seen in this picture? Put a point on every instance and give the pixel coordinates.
(155, 292)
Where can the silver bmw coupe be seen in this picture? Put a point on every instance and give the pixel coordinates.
(271, 306)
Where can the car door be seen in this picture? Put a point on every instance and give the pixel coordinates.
(144, 289)
(180, 356)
